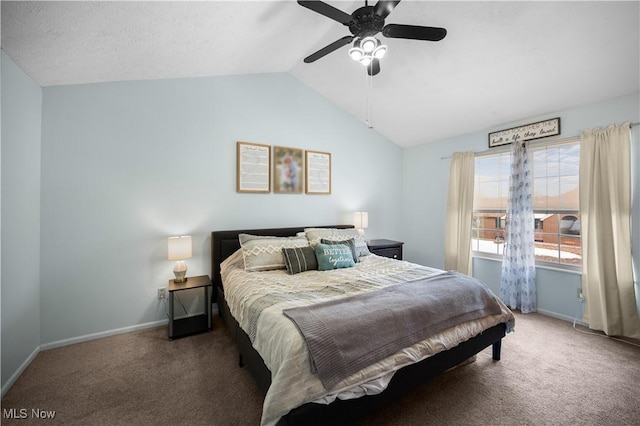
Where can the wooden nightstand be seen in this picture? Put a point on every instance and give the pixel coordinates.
(194, 324)
(386, 248)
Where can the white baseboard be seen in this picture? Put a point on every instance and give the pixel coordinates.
(20, 370)
(100, 335)
(562, 317)
(73, 340)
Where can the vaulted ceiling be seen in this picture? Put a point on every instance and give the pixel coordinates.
(500, 61)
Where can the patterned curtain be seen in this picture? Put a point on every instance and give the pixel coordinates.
(517, 282)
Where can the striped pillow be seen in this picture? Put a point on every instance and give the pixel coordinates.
(299, 259)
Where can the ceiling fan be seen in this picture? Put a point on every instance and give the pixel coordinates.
(364, 23)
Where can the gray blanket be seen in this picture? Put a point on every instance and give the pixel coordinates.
(346, 335)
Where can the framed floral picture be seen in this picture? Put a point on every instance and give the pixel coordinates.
(287, 170)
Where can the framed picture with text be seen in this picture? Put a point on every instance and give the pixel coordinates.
(318, 172)
(253, 167)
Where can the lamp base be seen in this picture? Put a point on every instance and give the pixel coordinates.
(180, 271)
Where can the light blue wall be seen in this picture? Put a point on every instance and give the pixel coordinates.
(425, 177)
(125, 165)
(21, 119)
(116, 168)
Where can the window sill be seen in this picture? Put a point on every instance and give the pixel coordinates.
(571, 269)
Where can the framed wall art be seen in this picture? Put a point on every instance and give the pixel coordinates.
(287, 170)
(253, 167)
(318, 172)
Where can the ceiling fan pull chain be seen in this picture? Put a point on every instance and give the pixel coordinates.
(369, 89)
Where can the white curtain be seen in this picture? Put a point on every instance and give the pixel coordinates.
(605, 214)
(518, 277)
(457, 243)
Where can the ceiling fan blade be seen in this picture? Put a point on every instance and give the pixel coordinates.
(383, 8)
(374, 67)
(328, 49)
(414, 32)
(328, 11)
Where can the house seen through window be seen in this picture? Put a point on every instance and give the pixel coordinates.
(555, 202)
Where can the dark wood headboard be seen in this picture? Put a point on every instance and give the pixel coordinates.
(225, 243)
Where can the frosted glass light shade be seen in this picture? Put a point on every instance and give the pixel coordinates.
(368, 44)
(380, 51)
(356, 53)
(361, 220)
(366, 60)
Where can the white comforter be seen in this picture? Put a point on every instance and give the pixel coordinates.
(282, 347)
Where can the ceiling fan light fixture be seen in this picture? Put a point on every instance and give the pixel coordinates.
(369, 44)
(365, 50)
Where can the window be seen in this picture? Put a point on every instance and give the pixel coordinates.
(555, 202)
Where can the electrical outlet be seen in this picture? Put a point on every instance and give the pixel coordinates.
(162, 293)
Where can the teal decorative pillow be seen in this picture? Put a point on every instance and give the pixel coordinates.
(314, 235)
(299, 259)
(333, 256)
(349, 243)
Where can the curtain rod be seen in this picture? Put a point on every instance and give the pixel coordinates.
(446, 157)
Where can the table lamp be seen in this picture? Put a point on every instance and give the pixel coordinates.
(360, 221)
(179, 248)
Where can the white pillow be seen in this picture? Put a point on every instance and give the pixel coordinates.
(265, 253)
(235, 260)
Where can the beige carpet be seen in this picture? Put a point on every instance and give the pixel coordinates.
(549, 375)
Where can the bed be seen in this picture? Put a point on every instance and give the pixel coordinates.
(360, 393)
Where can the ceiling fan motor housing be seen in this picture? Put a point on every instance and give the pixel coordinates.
(365, 22)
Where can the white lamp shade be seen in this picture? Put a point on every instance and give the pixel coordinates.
(179, 247)
(360, 220)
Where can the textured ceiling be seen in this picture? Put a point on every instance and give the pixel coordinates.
(500, 62)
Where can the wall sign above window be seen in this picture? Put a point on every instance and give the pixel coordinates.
(541, 129)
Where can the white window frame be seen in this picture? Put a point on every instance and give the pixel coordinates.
(539, 263)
